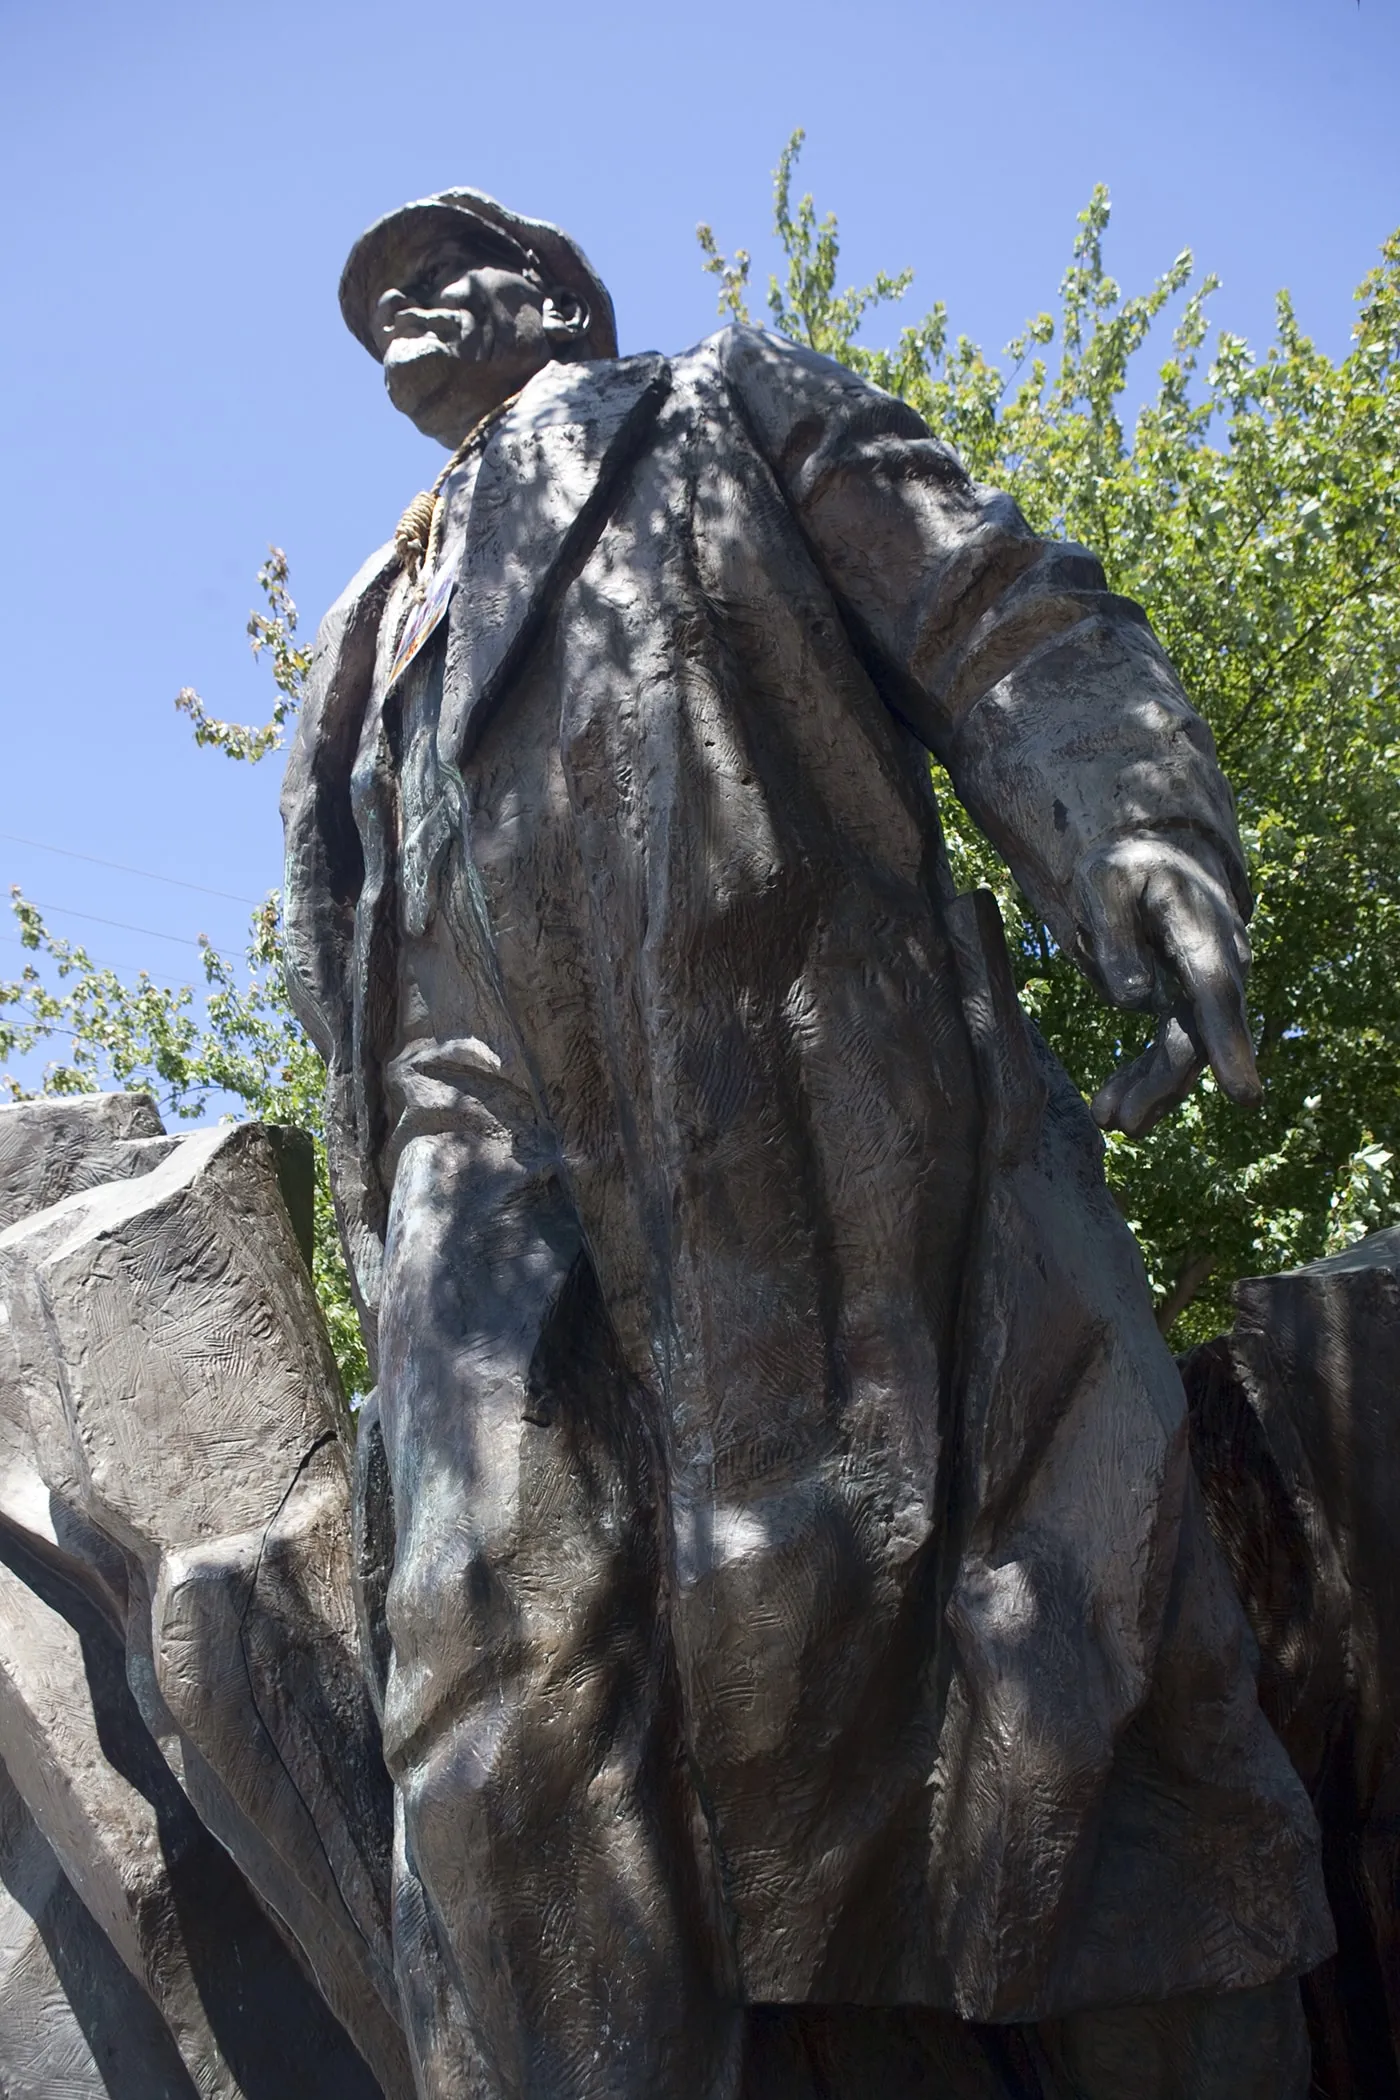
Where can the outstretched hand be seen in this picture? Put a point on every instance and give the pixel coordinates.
(1159, 929)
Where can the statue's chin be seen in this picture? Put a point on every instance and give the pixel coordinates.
(416, 372)
(439, 392)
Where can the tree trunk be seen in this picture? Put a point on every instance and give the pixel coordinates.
(1183, 1291)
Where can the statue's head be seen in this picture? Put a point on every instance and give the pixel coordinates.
(462, 302)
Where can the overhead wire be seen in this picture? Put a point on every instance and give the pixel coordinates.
(153, 933)
(98, 962)
(51, 1029)
(123, 868)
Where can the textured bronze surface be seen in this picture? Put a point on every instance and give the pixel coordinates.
(189, 1767)
(784, 1576)
(1295, 1421)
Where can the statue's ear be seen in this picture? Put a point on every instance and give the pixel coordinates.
(566, 319)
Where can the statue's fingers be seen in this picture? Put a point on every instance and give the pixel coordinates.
(1225, 1033)
(1112, 936)
(1136, 1098)
(1200, 935)
(1106, 1102)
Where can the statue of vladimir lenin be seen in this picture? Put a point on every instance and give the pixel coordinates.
(799, 1593)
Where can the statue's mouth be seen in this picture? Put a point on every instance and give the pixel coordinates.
(410, 349)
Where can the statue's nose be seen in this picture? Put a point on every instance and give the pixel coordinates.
(387, 309)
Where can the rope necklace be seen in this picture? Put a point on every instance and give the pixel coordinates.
(419, 531)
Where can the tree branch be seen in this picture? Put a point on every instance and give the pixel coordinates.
(1183, 1291)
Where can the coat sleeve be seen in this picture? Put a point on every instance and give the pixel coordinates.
(324, 873)
(1049, 699)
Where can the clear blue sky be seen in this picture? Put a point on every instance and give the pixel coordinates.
(183, 181)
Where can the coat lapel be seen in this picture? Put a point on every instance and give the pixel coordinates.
(543, 478)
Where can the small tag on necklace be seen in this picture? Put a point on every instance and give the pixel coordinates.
(434, 594)
(428, 611)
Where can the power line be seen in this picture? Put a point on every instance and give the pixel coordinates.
(98, 962)
(121, 868)
(12, 940)
(181, 940)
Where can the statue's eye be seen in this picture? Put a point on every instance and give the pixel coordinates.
(433, 279)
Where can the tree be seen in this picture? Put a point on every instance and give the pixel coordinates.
(1255, 512)
(240, 1042)
(274, 631)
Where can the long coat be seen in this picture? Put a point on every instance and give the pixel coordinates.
(637, 875)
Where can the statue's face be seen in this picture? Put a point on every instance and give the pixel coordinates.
(460, 335)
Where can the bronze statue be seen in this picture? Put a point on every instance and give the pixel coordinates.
(782, 1557)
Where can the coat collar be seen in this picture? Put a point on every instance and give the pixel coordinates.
(536, 490)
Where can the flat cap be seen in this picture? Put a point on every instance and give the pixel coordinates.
(503, 235)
